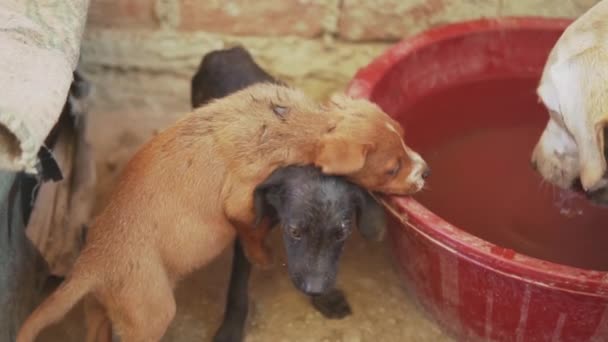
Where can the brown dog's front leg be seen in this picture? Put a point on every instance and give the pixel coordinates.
(239, 209)
(98, 325)
(253, 240)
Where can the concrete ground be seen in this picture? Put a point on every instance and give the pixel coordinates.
(382, 311)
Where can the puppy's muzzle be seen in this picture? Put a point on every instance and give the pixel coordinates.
(313, 284)
(419, 175)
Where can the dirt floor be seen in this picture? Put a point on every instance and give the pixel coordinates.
(382, 311)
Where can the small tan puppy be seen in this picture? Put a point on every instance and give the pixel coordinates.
(574, 88)
(180, 198)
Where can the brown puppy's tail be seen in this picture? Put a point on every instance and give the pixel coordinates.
(55, 306)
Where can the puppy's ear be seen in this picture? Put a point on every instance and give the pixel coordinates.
(592, 158)
(337, 155)
(266, 195)
(371, 218)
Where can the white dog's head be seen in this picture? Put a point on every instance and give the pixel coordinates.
(570, 152)
(574, 88)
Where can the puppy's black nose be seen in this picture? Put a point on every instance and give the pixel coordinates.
(426, 173)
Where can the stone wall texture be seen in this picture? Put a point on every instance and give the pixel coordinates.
(143, 52)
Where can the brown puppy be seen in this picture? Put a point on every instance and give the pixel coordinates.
(180, 197)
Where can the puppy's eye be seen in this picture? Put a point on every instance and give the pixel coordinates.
(295, 233)
(395, 170)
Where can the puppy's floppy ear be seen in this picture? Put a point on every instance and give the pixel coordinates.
(266, 195)
(337, 155)
(592, 157)
(371, 217)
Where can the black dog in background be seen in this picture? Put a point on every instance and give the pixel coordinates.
(316, 212)
(223, 72)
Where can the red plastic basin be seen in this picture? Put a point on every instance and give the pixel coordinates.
(475, 289)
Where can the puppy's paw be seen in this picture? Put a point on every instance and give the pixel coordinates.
(332, 305)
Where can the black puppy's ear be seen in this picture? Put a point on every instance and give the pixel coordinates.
(265, 195)
(371, 219)
(261, 205)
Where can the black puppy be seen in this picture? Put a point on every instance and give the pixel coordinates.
(316, 212)
(222, 72)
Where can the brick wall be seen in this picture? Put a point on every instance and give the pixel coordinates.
(143, 52)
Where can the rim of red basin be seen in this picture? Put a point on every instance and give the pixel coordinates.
(446, 235)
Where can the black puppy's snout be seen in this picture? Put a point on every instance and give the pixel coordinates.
(315, 286)
(312, 284)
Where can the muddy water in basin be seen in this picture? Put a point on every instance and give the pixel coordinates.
(478, 139)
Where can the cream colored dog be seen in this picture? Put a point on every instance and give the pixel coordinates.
(574, 88)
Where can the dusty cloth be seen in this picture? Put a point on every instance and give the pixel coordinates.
(39, 50)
